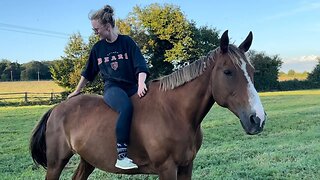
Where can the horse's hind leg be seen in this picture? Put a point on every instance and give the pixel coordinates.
(83, 171)
(58, 155)
(185, 172)
(168, 171)
(55, 167)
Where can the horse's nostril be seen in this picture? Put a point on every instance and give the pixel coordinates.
(254, 119)
(251, 119)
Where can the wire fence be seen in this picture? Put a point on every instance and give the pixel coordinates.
(24, 98)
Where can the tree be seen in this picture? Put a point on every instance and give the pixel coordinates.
(11, 72)
(205, 38)
(266, 70)
(35, 70)
(291, 72)
(164, 35)
(167, 39)
(3, 65)
(67, 71)
(314, 76)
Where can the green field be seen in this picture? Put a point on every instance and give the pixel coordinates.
(30, 86)
(288, 148)
(29, 92)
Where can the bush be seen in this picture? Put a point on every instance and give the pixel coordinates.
(297, 85)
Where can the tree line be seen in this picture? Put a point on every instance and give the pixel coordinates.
(168, 41)
(34, 70)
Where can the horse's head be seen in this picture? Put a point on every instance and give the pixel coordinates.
(232, 84)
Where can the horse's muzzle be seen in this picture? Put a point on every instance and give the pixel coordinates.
(253, 124)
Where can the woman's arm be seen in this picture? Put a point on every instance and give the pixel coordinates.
(82, 83)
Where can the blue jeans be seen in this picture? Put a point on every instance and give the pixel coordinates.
(118, 98)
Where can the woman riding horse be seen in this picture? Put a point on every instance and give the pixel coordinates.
(166, 132)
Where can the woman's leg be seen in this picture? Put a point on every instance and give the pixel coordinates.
(118, 100)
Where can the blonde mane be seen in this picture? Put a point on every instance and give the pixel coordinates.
(195, 69)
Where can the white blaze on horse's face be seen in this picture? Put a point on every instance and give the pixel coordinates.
(254, 99)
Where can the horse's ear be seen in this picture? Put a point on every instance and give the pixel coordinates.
(245, 45)
(224, 42)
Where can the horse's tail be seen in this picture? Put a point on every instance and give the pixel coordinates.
(38, 146)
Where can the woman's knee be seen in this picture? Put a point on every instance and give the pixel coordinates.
(127, 107)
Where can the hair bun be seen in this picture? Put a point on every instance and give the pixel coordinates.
(108, 9)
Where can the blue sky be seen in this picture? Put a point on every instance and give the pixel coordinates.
(39, 29)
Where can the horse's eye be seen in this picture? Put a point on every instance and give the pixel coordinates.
(227, 72)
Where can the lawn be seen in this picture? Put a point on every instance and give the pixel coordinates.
(288, 148)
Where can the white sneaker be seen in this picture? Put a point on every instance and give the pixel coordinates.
(125, 163)
(130, 159)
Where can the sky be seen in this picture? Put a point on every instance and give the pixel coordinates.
(40, 29)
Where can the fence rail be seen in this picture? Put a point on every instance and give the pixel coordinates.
(27, 97)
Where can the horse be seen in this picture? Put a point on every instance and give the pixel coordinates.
(166, 130)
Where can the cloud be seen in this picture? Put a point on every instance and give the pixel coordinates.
(309, 58)
(300, 64)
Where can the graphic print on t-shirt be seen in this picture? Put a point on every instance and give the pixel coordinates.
(112, 59)
(114, 65)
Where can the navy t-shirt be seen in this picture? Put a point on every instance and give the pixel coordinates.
(118, 62)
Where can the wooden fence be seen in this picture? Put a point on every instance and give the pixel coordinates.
(30, 97)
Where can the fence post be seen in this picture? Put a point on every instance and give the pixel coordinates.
(25, 97)
(51, 98)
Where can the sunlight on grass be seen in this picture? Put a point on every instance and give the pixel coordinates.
(31, 92)
(30, 86)
(289, 93)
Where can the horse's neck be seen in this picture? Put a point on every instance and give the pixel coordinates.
(194, 99)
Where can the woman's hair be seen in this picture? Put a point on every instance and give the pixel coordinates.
(104, 15)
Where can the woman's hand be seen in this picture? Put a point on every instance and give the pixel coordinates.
(142, 89)
(74, 93)
(82, 83)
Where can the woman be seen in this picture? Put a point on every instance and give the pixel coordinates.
(124, 71)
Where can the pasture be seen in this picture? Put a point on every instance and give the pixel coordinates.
(29, 92)
(30, 86)
(288, 148)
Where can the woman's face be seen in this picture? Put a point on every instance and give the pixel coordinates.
(103, 31)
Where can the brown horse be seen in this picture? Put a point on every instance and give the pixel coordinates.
(165, 132)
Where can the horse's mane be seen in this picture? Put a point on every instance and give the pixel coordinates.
(197, 68)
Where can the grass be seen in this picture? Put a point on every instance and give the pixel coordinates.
(289, 147)
(37, 92)
(30, 86)
(16, 124)
(290, 93)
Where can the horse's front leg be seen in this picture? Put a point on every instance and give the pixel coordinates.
(168, 171)
(185, 172)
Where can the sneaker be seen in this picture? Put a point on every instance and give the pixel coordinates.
(125, 163)
(130, 159)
